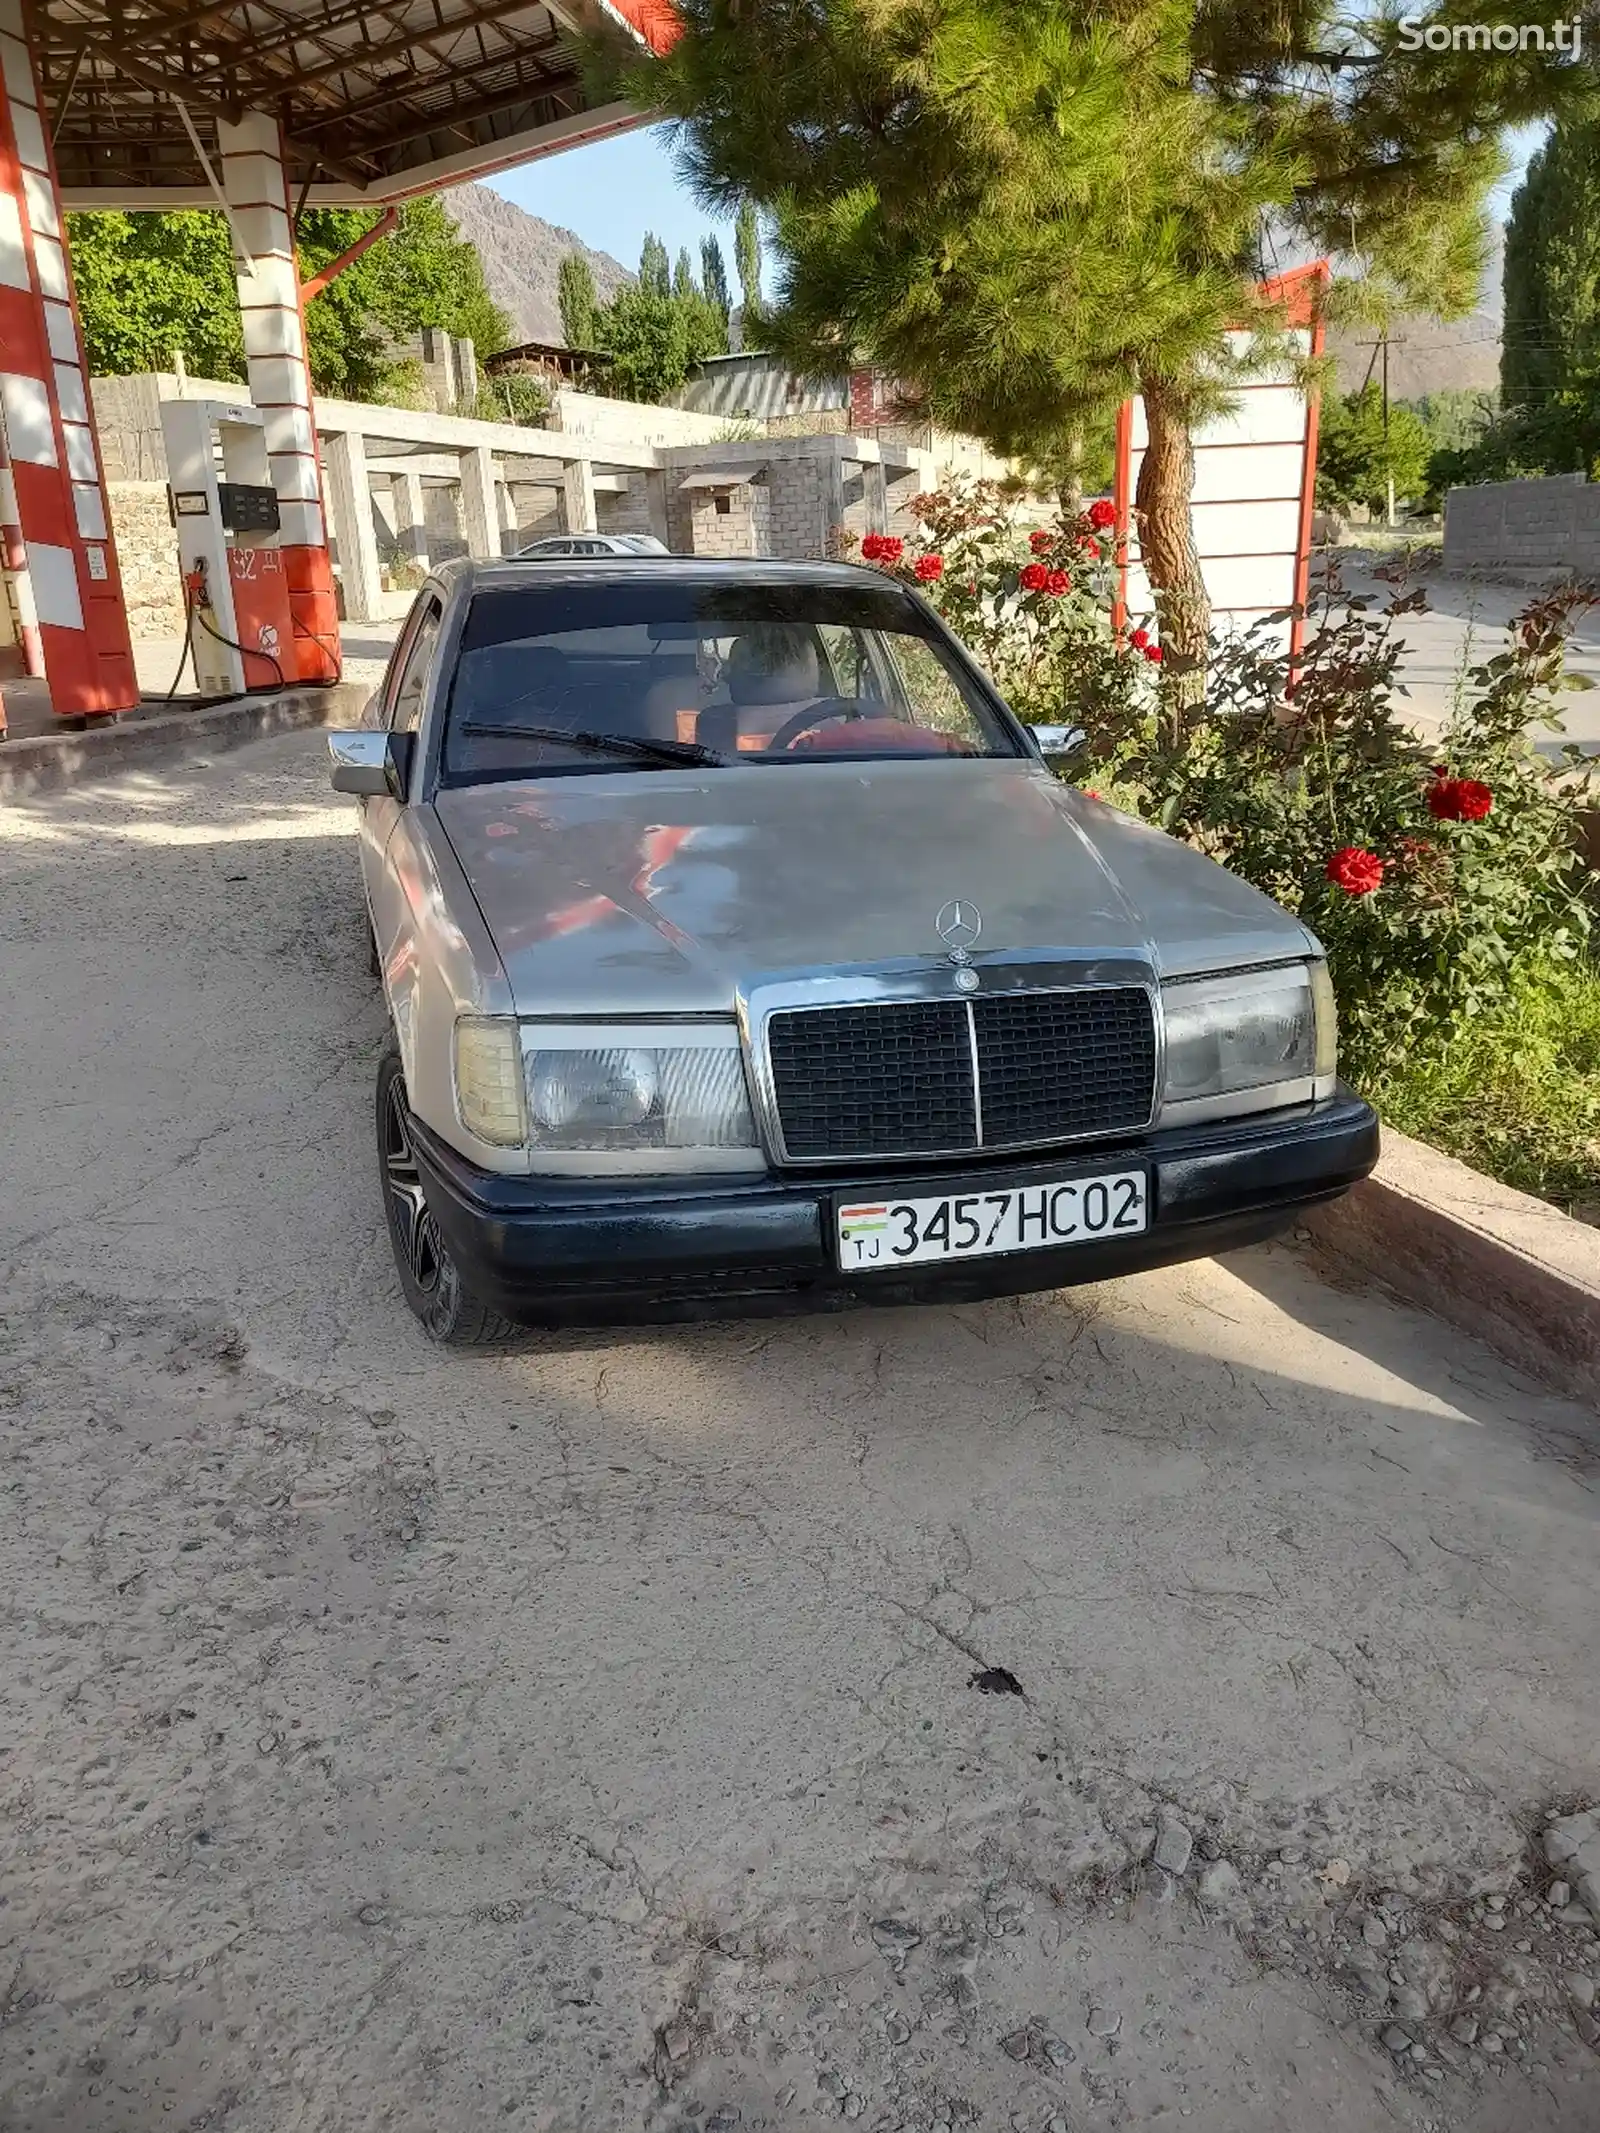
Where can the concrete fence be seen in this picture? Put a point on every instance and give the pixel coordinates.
(1551, 524)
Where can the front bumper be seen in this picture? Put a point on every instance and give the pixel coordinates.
(551, 1251)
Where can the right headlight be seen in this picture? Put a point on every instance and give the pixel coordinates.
(1248, 1040)
(650, 1096)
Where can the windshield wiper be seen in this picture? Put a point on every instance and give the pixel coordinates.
(619, 744)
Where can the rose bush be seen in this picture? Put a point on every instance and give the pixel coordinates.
(1439, 875)
(1035, 607)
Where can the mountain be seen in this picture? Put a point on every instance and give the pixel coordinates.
(1427, 355)
(522, 257)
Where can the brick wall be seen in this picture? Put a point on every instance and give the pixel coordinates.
(743, 529)
(798, 526)
(1551, 524)
(627, 513)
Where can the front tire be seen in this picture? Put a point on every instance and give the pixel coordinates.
(429, 1277)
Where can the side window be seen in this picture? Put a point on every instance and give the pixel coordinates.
(854, 676)
(406, 705)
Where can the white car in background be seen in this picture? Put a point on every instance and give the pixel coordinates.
(567, 545)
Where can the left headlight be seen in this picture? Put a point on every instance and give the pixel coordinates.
(1247, 1041)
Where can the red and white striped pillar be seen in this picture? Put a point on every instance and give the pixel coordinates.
(55, 532)
(256, 190)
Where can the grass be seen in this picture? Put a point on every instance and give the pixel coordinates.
(1517, 1094)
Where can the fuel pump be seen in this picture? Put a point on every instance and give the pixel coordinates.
(226, 514)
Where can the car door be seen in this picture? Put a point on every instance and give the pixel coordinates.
(405, 693)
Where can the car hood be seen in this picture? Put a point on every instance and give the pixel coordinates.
(661, 892)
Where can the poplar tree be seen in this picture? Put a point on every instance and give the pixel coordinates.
(579, 300)
(1551, 341)
(655, 270)
(714, 279)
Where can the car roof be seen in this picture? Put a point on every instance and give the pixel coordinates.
(479, 575)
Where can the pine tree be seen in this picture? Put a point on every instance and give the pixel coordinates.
(579, 301)
(714, 278)
(655, 270)
(1024, 213)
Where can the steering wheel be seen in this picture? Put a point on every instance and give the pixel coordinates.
(821, 713)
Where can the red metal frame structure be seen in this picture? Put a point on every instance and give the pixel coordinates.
(1298, 299)
(258, 107)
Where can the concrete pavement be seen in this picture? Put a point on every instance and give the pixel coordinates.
(588, 1736)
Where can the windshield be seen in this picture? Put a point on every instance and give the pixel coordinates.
(713, 674)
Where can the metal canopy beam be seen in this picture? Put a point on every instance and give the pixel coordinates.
(386, 96)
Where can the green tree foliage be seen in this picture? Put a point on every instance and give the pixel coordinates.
(1551, 334)
(152, 283)
(655, 271)
(647, 335)
(714, 279)
(579, 301)
(1356, 460)
(747, 257)
(1455, 418)
(1022, 212)
(1550, 359)
(658, 327)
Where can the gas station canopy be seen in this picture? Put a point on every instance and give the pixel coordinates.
(378, 99)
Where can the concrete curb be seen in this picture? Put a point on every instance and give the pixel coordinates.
(1502, 1266)
(47, 761)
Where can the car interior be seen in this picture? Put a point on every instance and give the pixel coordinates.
(769, 688)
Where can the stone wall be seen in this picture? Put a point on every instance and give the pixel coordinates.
(629, 422)
(1552, 524)
(147, 555)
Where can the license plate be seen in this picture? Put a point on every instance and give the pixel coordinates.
(975, 1225)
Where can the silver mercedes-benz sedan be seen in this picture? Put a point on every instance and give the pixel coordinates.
(742, 952)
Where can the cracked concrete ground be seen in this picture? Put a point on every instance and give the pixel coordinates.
(585, 1736)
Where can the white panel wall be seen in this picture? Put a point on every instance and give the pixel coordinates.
(1249, 466)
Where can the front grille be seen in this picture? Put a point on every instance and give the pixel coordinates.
(856, 1080)
(897, 1079)
(1066, 1063)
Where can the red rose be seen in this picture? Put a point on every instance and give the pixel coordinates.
(930, 567)
(890, 547)
(1152, 652)
(1102, 514)
(1058, 584)
(1033, 577)
(1458, 799)
(1139, 639)
(1039, 543)
(1355, 870)
(871, 547)
(1091, 549)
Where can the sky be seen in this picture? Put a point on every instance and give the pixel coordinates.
(612, 192)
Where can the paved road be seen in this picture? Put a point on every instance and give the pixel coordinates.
(1464, 625)
(585, 1736)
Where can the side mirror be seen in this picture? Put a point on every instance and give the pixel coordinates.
(1058, 740)
(377, 765)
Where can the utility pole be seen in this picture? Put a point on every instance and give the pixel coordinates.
(1380, 348)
